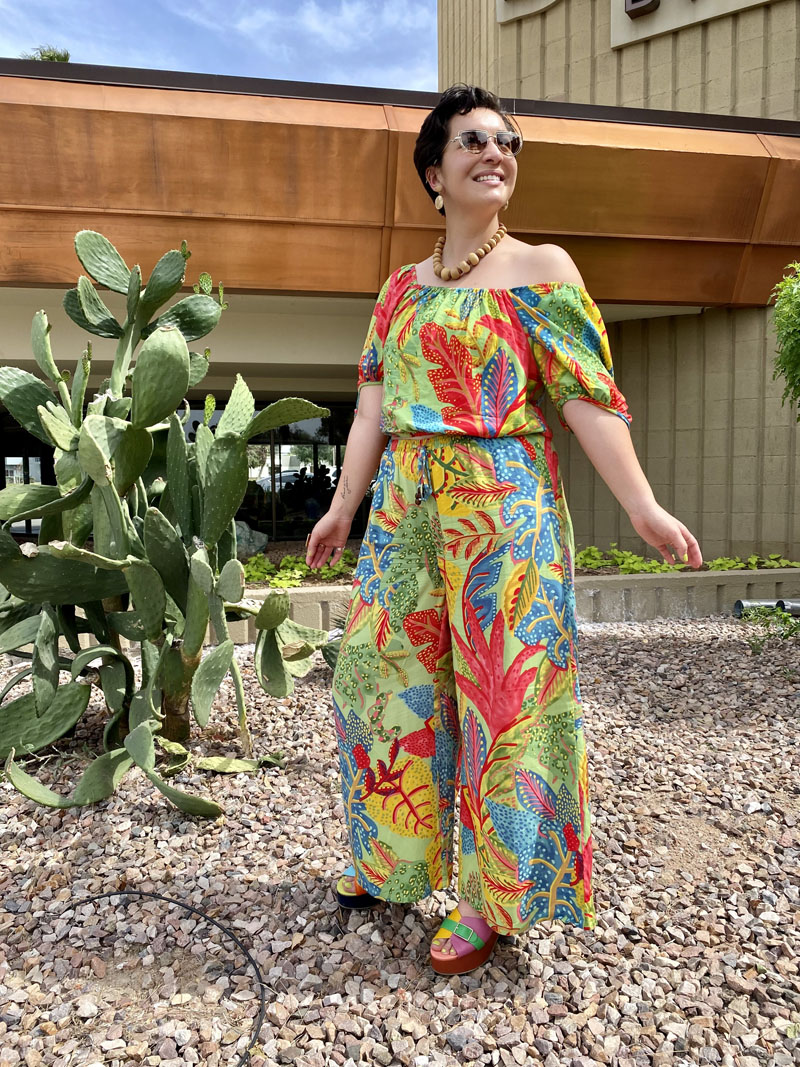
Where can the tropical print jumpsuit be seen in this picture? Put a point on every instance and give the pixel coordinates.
(457, 678)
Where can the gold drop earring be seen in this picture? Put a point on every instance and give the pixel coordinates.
(438, 202)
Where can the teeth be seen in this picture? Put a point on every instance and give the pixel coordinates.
(489, 178)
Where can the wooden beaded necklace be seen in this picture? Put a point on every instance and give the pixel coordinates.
(450, 274)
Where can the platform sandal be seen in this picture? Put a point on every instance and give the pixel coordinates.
(471, 937)
(357, 901)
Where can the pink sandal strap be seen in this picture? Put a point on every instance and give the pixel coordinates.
(466, 934)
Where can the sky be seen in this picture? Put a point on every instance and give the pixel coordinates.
(382, 43)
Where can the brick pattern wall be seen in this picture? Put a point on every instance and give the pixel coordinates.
(717, 445)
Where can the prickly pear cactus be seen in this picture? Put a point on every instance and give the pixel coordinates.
(137, 541)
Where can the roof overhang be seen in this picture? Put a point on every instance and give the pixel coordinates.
(283, 192)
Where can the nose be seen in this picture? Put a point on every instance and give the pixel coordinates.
(490, 150)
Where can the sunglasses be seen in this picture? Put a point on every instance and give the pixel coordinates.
(508, 141)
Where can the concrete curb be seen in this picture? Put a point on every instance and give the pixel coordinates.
(638, 597)
(599, 598)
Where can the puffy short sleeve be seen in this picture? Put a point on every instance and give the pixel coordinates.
(370, 366)
(570, 347)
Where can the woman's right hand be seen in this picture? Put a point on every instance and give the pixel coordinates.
(328, 540)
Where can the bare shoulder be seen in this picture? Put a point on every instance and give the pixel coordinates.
(549, 263)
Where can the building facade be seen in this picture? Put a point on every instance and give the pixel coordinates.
(716, 442)
(681, 225)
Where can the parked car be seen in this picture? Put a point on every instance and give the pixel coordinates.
(282, 479)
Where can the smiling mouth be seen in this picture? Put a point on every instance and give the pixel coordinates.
(489, 179)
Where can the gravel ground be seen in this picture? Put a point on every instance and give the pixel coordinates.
(693, 760)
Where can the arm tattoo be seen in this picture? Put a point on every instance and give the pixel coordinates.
(346, 490)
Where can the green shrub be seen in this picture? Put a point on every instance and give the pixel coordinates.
(293, 570)
(771, 623)
(787, 331)
(630, 563)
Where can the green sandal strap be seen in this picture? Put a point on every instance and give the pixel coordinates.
(462, 931)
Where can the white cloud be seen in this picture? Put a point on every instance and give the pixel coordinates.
(363, 42)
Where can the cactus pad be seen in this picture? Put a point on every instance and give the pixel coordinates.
(195, 316)
(101, 260)
(131, 458)
(178, 478)
(208, 678)
(238, 411)
(164, 282)
(40, 343)
(198, 368)
(226, 483)
(149, 596)
(61, 433)
(271, 670)
(166, 553)
(18, 499)
(21, 730)
(42, 578)
(283, 412)
(23, 394)
(160, 377)
(273, 611)
(230, 584)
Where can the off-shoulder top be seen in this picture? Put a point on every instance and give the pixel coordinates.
(478, 362)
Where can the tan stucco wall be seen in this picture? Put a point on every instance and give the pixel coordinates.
(716, 443)
(744, 63)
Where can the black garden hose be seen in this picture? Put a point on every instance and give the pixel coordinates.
(262, 1003)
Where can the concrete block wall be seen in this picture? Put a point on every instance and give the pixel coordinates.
(713, 437)
(600, 598)
(638, 597)
(745, 63)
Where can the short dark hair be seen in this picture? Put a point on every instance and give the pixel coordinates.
(435, 131)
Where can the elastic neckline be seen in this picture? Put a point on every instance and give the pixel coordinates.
(417, 284)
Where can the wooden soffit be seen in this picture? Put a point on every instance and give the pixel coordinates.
(299, 195)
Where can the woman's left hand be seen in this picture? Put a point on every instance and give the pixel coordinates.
(663, 531)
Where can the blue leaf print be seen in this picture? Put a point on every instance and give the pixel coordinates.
(499, 391)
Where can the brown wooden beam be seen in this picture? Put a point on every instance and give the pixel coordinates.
(298, 195)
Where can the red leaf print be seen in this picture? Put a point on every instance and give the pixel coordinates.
(508, 891)
(498, 690)
(482, 494)
(420, 742)
(381, 631)
(510, 331)
(453, 381)
(571, 838)
(422, 628)
(508, 920)
(466, 812)
(375, 876)
(394, 748)
(554, 674)
(362, 759)
(387, 521)
(384, 312)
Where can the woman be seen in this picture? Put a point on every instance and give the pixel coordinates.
(458, 672)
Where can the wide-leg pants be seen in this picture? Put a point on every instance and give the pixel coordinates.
(457, 681)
